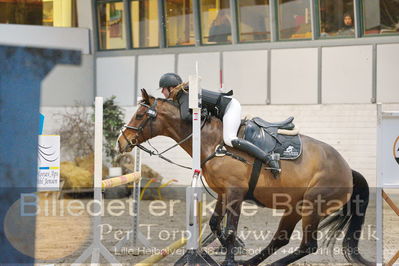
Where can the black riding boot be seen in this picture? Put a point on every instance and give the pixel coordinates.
(256, 152)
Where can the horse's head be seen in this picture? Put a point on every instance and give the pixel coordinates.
(151, 119)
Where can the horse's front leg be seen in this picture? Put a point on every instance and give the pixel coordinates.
(216, 219)
(234, 199)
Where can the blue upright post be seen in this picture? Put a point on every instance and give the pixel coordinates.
(22, 70)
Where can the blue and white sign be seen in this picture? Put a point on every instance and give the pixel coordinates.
(48, 177)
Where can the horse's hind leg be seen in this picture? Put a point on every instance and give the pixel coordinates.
(234, 199)
(280, 238)
(310, 222)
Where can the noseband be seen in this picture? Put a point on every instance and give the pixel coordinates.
(152, 114)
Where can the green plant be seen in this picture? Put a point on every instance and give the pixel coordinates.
(113, 122)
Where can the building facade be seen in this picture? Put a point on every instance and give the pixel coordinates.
(326, 62)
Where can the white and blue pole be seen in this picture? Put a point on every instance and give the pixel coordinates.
(195, 191)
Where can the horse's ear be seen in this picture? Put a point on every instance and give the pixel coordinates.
(145, 96)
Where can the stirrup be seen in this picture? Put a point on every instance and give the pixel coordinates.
(275, 171)
(274, 157)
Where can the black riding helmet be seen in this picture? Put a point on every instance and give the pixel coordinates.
(169, 80)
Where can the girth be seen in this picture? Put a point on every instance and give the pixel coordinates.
(256, 168)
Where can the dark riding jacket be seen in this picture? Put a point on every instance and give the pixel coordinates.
(215, 103)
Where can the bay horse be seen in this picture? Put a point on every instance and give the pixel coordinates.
(320, 182)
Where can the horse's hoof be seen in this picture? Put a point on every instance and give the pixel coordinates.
(229, 263)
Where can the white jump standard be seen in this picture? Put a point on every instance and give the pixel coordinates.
(194, 254)
(137, 239)
(97, 248)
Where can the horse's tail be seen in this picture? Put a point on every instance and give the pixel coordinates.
(350, 219)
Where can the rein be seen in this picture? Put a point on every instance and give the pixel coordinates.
(159, 154)
(152, 114)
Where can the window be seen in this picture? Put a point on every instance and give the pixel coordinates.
(253, 17)
(145, 23)
(336, 18)
(58, 13)
(179, 22)
(294, 19)
(215, 21)
(111, 30)
(381, 16)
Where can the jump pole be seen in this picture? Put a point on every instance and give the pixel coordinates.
(120, 180)
(194, 254)
(163, 253)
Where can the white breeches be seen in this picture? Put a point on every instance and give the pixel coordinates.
(231, 121)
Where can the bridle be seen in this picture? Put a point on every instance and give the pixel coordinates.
(152, 115)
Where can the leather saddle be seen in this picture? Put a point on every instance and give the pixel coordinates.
(265, 135)
(286, 124)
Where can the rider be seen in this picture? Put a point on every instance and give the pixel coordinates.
(227, 109)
